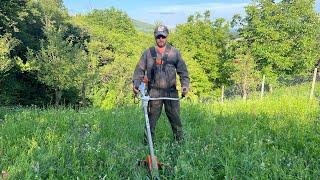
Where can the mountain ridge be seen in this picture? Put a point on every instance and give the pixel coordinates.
(143, 26)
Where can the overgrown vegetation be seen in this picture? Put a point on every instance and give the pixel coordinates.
(50, 57)
(273, 138)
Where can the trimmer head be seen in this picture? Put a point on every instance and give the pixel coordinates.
(153, 169)
(148, 163)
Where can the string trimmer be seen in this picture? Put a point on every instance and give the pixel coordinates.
(151, 160)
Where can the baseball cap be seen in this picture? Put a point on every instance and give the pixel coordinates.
(161, 30)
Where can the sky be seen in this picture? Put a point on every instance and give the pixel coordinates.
(169, 12)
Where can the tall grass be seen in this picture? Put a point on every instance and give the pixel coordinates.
(277, 137)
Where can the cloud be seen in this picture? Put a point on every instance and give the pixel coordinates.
(192, 8)
(162, 13)
(172, 15)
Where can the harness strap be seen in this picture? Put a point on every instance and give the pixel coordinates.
(160, 64)
(164, 58)
(153, 52)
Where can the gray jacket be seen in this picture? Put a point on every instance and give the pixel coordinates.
(161, 70)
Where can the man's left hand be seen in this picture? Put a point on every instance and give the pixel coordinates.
(184, 91)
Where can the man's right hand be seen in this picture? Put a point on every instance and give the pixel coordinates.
(135, 89)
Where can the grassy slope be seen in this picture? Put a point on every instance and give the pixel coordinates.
(143, 27)
(277, 138)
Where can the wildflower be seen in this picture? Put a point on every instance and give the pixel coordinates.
(4, 174)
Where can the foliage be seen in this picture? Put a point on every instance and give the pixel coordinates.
(204, 42)
(244, 73)
(113, 52)
(281, 40)
(11, 13)
(282, 36)
(200, 85)
(196, 37)
(7, 43)
(222, 36)
(108, 21)
(60, 64)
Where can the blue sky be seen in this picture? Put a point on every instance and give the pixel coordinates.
(169, 12)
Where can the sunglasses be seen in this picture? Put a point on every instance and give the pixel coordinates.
(161, 36)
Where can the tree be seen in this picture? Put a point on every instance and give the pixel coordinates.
(282, 36)
(244, 72)
(7, 43)
(205, 42)
(11, 13)
(113, 52)
(60, 63)
(222, 37)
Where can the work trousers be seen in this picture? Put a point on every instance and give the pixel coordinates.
(172, 109)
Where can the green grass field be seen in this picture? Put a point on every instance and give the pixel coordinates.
(277, 137)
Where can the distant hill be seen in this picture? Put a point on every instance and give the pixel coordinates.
(142, 26)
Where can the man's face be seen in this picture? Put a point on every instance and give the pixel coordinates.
(161, 40)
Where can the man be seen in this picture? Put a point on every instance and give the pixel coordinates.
(160, 64)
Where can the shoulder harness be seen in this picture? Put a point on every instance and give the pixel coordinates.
(164, 59)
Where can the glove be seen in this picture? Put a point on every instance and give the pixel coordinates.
(184, 91)
(135, 89)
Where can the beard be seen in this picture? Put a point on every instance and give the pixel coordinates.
(161, 43)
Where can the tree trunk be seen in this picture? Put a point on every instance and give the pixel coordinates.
(313, 82)
(244, 91)
(58, 95)
(244, 88)
(83, 94)
(222, 93)
(262, 86)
